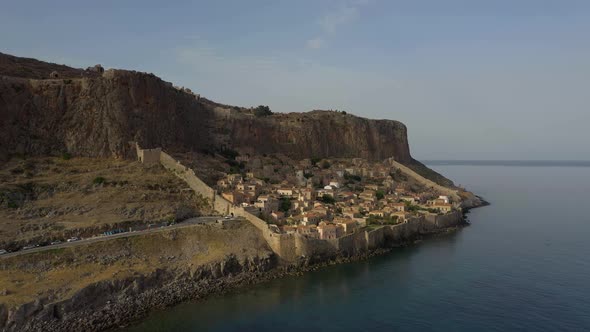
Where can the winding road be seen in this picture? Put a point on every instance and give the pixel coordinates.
(186, 223)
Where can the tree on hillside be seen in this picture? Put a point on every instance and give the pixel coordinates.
(328, 199)
(380, 194)
(262, 110)
(285, 204)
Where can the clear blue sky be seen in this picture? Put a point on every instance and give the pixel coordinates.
(472, 79)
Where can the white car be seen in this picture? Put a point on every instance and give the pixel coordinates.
(3, 252)
(73, 239)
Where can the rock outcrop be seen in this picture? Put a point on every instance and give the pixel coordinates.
(111, 303)
(97, 115)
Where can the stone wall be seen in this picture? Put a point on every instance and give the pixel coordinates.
(282, 244)
(188, 175)
(424, 181)
(445, 220)
(148, 156)
(292, 246)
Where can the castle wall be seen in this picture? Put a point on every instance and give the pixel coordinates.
(310, 247)
(446, 220)
(292, 246)
(148, 156)
(424, 181)
(189, 176)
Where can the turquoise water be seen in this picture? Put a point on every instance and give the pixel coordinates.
(523, 264)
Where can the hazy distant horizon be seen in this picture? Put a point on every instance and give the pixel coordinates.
(489, 162)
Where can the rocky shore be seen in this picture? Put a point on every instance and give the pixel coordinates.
(110, 305)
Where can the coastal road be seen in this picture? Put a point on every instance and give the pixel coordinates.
(186, 223)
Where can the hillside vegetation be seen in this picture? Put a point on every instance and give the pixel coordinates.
(46, 199)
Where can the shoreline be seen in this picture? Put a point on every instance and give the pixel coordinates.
(112, 305)
(296, 271)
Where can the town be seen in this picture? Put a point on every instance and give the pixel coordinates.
(328, 198)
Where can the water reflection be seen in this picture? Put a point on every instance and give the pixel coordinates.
(306, 296)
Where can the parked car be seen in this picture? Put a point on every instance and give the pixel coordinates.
(73, 239)
(3, 252)
(55, 242)
(30, 246)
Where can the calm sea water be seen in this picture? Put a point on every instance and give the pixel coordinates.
(523, 264)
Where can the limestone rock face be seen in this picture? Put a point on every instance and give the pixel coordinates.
(32, 68)
(99, 114)
(317, 134)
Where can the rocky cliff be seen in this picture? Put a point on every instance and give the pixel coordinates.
(98, 115)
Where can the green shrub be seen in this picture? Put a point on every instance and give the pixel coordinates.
(348, 176)
(285, 204)
(262, 110)
(328, 199)
(380, 194)
(66, 156)
(99, 180)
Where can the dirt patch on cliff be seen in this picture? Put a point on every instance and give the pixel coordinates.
(45, 199)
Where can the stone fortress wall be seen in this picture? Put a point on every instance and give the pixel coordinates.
(424, 181)
(148, 156)
(291, 247)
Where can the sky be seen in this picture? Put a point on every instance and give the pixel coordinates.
(471, 79)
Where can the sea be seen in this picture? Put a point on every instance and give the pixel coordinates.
(523, 264)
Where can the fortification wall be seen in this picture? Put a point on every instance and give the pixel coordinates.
(352, 244)
(405, 231)
(375, 238)
(446, 220)
(292, 246)
(310, 247)
(189, 176)
(282, 244)
(424, 181)
(222, 205)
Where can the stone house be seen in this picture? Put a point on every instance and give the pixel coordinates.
(311, 218)
(234, 197)
(348, 225)
(378, 213)
(445, 208)
(398, 206)
(330, 231)
(309, 231)
(285, 192)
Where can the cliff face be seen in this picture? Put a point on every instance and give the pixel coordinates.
(98, 115)
(318, 134)
(32, 68)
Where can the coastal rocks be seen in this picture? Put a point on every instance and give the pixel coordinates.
(110, 303)
(113, 303)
